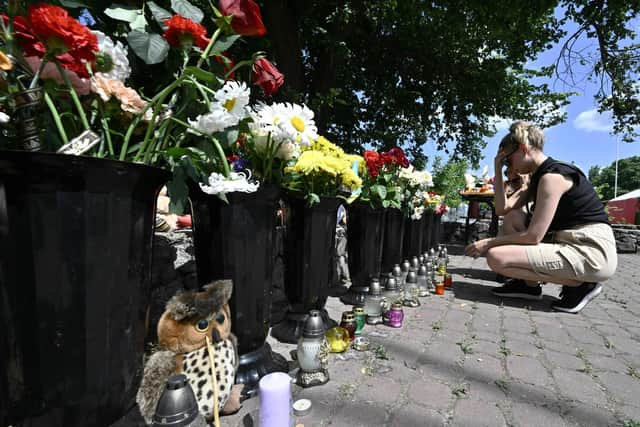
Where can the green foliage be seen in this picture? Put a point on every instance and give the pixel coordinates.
(448, 179)
(628, 177)
(410, 72)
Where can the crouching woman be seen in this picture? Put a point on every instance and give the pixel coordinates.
(568, 241)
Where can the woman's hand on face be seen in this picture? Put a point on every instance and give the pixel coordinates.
(477, 248)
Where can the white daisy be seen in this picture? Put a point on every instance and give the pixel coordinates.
(4, 118)
(117, 53)
(234, 97)
(215, 121)
(298, 124)
(265, 120)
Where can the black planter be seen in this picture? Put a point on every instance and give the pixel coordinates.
(436, 230)
(365, 234)
(427, 222)
(75, 273)
(393, 239)
(308, 255)
(236, 241)
(413, 229)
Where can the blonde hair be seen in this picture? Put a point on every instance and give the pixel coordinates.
(521, 132)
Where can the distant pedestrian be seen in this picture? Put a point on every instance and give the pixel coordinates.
(568, 241)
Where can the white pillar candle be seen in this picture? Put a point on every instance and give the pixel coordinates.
(275, 400)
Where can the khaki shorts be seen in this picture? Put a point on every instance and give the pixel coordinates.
(585, 253)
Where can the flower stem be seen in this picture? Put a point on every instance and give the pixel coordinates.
(56, 118)
(206, 51)
(158, 98)
(36, 76)
(74, 95)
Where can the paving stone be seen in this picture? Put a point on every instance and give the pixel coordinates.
(624, 345)
(563, 360)
(414, 388)
(489, 348)
(468, 412)
(414, 415)
(629, 413)
(589, 416)
(608, 364)
(533, 415)
(624, 388)
(430, 394)
(483, 367)
(359, 414)
(579, 387)
(585, 335)
(528, 370)
(379, 390)
(523, 348)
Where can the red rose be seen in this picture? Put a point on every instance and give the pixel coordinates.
(398, 157)
(267, 76)
(247, 20)
(180, 30)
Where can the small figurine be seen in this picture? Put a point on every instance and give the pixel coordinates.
(194, 334)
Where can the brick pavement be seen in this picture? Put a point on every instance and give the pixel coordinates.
(469, 359)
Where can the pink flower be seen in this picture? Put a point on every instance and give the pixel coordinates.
(50, 71)
(130, 101)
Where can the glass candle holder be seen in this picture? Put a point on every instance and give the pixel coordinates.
(360, 316)
(394, 316)
(349, 323)
(448, 280)
(338, 339)
(439, 289)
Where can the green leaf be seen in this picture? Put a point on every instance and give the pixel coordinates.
(72, 4)
(232, 137)
(151, 48)
(178, 191)
(224, 43)
(312, 198)
(200, 74)
(380, 191)
(386, 203)
(187, 10)
(123, 12)
(159, 14)
(140, 23)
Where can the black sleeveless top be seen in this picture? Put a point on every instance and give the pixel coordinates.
(579, 205)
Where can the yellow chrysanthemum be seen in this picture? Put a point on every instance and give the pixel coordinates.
(327, 147)
(350, 179)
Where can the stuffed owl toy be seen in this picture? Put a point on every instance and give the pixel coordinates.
(194, 334)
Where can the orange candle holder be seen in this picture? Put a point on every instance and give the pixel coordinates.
(440, 289)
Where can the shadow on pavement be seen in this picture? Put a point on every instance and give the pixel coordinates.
(473, 292)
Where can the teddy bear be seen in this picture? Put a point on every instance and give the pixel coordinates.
(194, 333)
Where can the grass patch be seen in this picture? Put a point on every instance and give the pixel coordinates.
(381, 353)
(436, 326)
(504, 350)
(465, 347)
(461, 390)
(502, 385)
(633, 372)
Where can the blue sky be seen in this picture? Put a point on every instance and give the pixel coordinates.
(584, 138)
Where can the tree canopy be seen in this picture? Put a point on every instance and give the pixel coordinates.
(388, 72)
(603, 179)
(411, 72)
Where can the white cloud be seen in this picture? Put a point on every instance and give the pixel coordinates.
(593, 121)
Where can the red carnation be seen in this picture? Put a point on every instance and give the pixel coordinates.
(267, 76)
(61, 33)
(29, 42)
(374, 162)
(183, 30)
(247, 20)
